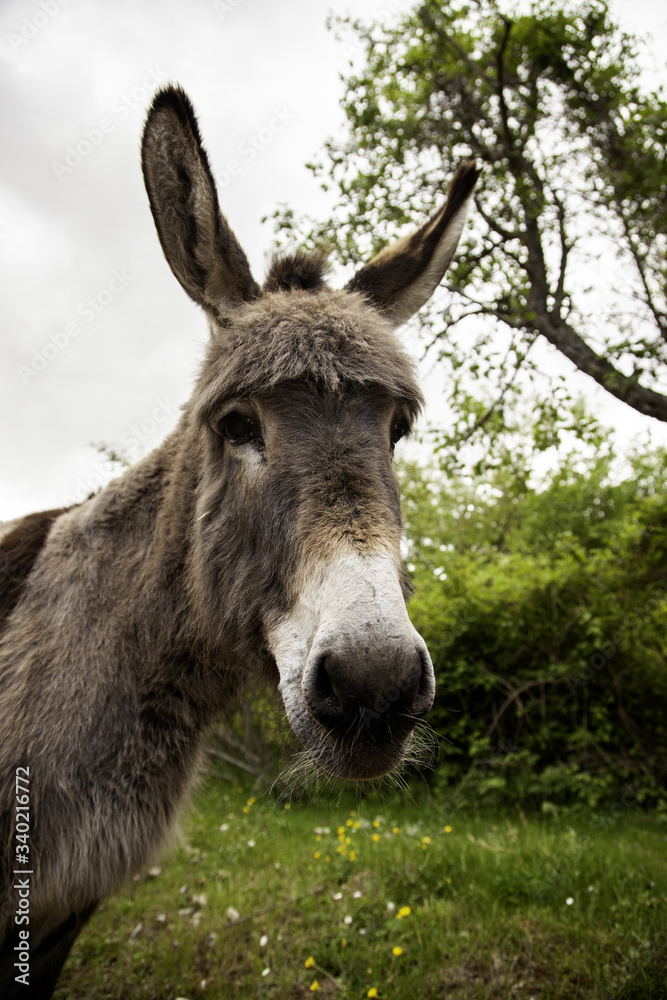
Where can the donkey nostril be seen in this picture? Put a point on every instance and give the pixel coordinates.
(338, 696)
(321, 695)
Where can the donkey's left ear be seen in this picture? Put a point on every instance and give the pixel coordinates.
(199, 245)
(405, 274)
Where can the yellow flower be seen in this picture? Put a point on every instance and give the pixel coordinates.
(397, 950)
(394, 829)
(340, 830)
(348, 822)
(356, 824)
(310, 962)
(373, 992)
(375, 837)
(288, 805)
(317, 855)
(404, 911)
(314, 986)
(448, 879)
(318, 838)
(448, 829)
(246, 809)
(353, 855)
(426, 840)
(377, 823)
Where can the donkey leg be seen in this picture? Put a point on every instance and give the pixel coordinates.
(46, 960)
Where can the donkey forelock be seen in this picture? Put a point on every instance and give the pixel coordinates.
(329, 340)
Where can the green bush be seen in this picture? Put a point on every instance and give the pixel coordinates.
(545, 612)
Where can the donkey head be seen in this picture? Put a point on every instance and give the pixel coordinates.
(294, 551)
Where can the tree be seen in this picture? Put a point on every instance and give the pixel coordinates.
(569, 239)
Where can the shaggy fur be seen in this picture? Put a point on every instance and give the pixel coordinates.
(19, 547)
(130, 622)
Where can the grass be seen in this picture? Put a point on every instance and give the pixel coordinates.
(318, 893)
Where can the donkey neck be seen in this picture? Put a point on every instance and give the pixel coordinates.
(137, 530)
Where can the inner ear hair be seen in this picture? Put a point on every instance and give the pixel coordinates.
(404, 275)
(197, 241)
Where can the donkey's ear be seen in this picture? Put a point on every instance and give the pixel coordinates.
(405, 274)
(198, 243)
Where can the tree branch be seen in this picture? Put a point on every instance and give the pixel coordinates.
(565, 247)
(623, 387)
(495, 227)
(429, 21)
(658, 316)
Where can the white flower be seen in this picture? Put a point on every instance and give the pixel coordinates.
(265, 972)
(347, 920)
(251, 843)
(391, 907)
(569, 901)
(357, 894)
(233, 914)
(338, 895)
(263, 941)
(224, 828)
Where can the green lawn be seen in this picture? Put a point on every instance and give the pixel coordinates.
(407, 899)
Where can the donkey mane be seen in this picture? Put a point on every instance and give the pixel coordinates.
(306, 269)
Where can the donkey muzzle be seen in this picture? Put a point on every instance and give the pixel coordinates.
(366, 686)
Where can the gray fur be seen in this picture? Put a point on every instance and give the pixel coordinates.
(137, 617)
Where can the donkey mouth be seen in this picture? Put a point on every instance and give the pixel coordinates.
(359, 735)
(360, 756)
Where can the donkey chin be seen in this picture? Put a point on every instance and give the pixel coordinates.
(355, 675)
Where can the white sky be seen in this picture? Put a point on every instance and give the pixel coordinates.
(63, 235)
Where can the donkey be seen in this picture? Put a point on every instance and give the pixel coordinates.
(260, 540)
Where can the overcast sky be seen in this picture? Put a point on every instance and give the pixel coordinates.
(99, 342)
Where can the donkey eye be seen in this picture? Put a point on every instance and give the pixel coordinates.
(399, 429)
(238, 428)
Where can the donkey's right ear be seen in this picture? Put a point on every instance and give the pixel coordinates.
(198, 243)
